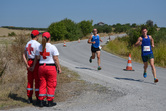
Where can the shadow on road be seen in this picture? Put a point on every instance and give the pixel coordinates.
(17, 98)
(85, 68)
(131, 79)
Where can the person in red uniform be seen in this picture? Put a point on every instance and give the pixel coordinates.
(48, 67)
(28, 56)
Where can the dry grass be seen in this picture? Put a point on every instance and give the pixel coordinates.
(4, 32)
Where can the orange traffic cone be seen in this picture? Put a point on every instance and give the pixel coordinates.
(64, 45)
(78, 40)
(129, 64)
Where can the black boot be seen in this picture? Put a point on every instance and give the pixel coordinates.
(41, 103)
(30, 100)
(51, 103)
(37, 101)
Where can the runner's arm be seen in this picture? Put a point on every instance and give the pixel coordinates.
(139, 42)
(56, 60)
(152, 41)
(89, 40)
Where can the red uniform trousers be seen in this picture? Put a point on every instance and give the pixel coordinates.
(47, 83)
(31, 77)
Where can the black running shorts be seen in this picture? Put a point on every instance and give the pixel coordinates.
(93, 49)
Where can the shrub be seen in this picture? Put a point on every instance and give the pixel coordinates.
(86, 26)
(73, 30)
(120, 49)
(65, 29)
(160, 53)
(160, 35)
(57, 31)
(12, 34)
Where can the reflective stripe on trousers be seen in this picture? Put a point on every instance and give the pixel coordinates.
(48, 95)
(42, 94)
(36, 89)
(30, 89)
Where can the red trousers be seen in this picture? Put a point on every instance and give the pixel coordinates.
(47, 82)
(31, 77)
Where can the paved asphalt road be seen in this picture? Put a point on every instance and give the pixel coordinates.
(127, 90)
(139, 94)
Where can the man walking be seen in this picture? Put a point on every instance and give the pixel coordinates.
(95, 47)
(147, 42)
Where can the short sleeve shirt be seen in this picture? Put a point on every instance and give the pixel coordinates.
(31, 48)
(46, 56)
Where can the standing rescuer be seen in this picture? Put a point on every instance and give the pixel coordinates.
(30, 50)
(48, 67)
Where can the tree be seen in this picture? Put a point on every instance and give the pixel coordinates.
(149, 23)
(73, 31)
(86, 26)
(57, 31)
(134, 25)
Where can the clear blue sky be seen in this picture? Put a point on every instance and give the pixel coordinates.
(41, 13)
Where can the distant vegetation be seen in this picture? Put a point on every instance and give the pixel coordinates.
(24, 28)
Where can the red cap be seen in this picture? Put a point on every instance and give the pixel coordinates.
(46, 34)
(35, 32)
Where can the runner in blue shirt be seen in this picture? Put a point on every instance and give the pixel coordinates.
(147, 54)
(95, 47)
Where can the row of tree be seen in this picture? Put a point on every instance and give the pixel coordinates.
(23, 28)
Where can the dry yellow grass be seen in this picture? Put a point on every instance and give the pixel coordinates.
(5, 31)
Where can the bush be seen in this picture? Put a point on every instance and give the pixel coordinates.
(67, 29)
(121, 28)
(86, 26)
(73, 30)
(160, 53)
(120, 49)
(103, 28)
(160, 35)
(12, 34)
(18, 46)
(57, 31)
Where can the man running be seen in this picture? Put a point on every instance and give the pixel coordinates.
(95, 48)
(147, 54)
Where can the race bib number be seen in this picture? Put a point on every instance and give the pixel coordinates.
(146, 48)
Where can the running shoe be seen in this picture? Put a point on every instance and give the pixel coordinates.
(90, 60)
(155, 80)
(145, 75)
(99, 68)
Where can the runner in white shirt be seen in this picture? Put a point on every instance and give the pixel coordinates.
(29, 56)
